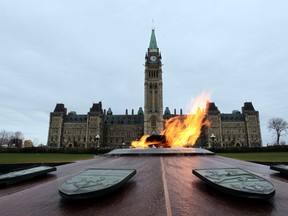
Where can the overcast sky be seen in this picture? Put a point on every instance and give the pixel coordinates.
(82, 52)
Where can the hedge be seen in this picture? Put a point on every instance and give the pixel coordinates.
(75, 150)
(274, 148)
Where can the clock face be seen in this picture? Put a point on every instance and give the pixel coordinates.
(153, 58)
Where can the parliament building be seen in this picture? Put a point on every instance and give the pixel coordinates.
(101, 128)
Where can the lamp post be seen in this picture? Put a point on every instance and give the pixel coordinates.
(213, 139)
(97, 137)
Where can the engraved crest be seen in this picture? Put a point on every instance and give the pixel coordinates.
(282, 168)
(237, 181)
(25, 174)
(94, 182)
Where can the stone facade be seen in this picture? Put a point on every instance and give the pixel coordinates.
(94, 129)
(99, 128)
(233, 129)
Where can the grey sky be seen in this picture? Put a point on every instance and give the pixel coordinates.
(80, 52)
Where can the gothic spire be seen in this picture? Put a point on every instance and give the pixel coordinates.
(153, 42)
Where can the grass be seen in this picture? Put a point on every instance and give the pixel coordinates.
(258, 156)
(14, 158)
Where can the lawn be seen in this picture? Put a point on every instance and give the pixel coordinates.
(14, 158)
(258, 156)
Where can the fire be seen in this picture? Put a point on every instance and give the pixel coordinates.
(141, 143)
(184, 130)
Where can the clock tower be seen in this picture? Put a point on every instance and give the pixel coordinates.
(153, 89)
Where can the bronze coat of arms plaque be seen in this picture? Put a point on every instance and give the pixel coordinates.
(282, 168)
(95, 182)
(25, 174)
(236, 181)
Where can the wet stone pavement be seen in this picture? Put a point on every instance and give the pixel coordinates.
(163, 185)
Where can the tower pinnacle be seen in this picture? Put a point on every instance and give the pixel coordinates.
(153, 43)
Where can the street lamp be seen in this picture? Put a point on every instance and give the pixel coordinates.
(97, 137)
(213, 139)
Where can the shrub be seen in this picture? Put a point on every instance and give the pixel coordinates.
(275, 148)
(75, 150)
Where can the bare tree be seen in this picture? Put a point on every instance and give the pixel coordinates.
(35, 141)
(18, 139)
(279, 126)
(4, 138)
(10, 139)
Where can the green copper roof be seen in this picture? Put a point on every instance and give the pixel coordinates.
(153, 43)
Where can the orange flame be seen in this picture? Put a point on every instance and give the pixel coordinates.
(182, 130)
(141, 143)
